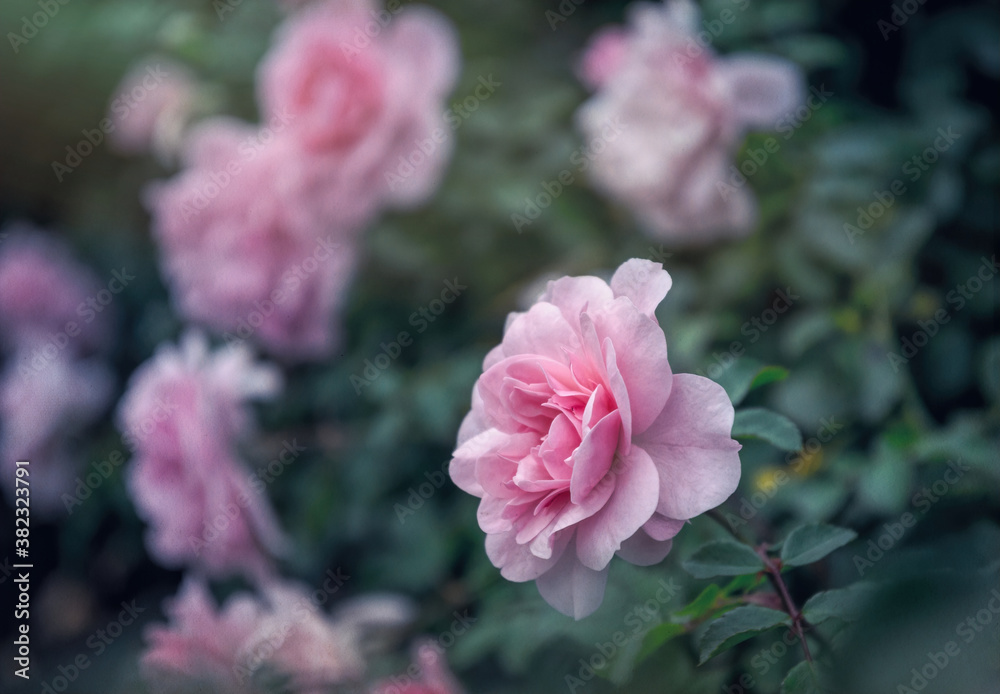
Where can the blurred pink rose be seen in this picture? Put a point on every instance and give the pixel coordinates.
(40, 412)
(366, 87)
(283, 631)
(201, 645)
(54, 383)
(683, 113)
(43, 297)
(432, 675)
(249, 246)
(151, 106)
(183, 414)
(300, 640)
(582, 444)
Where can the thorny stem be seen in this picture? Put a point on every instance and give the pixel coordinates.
(773, 568)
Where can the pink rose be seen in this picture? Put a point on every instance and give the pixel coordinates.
(40, 412)
(201, 645)
(248, 247)
(669, 116)
(54, 383)
(42, 289)
(150, 108)
(183, 414)
(252, 637)
(366, 87)
(297, 638)
(582, 444)
(432, 674)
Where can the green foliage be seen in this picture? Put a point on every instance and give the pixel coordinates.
(808, 543)
(723, 558)
(737, 626)
(804, 678)
(776, 429)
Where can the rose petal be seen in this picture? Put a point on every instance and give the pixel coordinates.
(765, 88)
(644, 282)
(571, 587)
(641, 357)
(593, 458)
(642, 550)
(631, 505)
(690, 444)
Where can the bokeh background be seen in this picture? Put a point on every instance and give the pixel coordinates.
(353, 500)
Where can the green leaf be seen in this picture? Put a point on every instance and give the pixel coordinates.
(747, 374)
(769, 374)
(813, 541)
(737, 626)
(657, 636)
(847, 604)
(743, 583)
(803, 679)
(701, 604)
(769, 426)
(723, 558)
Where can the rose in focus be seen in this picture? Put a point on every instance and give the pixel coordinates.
(582, 444)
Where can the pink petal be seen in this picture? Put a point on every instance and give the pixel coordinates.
(642, 550)
(764, 88)
(644, 282)
(641, 354)
(516, 562)
(659, 527)
(604, 56)
(571, 587)
(620, 393)
(593, 458)
(631, 505)
(571, 294)
(541, 331)
(690, 443)
(426, 40)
